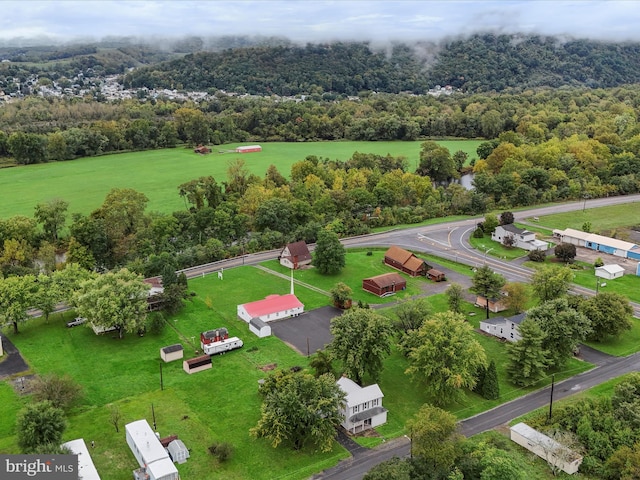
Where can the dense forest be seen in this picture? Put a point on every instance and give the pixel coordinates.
(479, 63)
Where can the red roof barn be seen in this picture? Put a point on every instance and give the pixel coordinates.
(386, 284)
(405, 261)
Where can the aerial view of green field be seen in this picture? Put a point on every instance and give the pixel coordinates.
(157, 173)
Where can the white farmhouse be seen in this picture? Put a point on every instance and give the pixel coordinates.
(363, 406)
(505, 328)
(520, 238)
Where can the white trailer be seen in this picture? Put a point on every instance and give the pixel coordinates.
(222, 346)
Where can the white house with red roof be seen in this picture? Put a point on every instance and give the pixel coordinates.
(274, 307)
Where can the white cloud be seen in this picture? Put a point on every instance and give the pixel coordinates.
(316, 20)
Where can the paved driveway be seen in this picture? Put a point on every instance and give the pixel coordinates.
(13, 363)
(308, 332)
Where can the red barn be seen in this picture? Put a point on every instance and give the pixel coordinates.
(383, 285)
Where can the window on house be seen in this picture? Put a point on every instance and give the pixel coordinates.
(355, 409)
(511, 334)
(512, 326)
(374, 402)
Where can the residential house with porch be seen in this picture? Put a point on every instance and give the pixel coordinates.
(363, 408)
(295, 255)
(504, 327)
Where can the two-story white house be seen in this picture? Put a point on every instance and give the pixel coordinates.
(505, 328)
(519, 237)
(363, 408)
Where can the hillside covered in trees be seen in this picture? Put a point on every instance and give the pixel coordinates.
(480, 63)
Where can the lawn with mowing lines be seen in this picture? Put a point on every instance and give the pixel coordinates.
(85, 182)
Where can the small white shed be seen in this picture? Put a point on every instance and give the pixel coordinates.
(260, 328)
(178, 451)
(172, 352)
(609, 272)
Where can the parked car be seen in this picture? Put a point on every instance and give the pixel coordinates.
(76, 321)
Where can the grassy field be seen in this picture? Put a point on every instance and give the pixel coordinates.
(85, 182)
(608, 218)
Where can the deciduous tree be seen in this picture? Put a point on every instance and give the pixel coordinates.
(16, 297)
(610, 315)
(488, 284)
(434, 437)
(516, 297)
(446, 356)
(565, 252)
(300, 409)
(341, 295)
(115, 299)
(551, 281)
(563, 327)
(52, 215)
(38, 424)
(329, 254)
(455, 297)
(361, 341)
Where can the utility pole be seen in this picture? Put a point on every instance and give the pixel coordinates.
(553, 380)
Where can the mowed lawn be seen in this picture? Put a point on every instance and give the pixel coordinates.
(610, 218)
(85, 182)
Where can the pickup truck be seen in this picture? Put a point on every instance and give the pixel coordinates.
(76, 321)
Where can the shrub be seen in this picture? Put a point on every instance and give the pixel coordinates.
(537, 256)
(598, 262)
(221, 450)
(478, 233)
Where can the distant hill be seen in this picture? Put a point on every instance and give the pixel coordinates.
(478, 63)
(274, 65)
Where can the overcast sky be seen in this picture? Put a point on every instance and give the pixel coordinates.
(318, 20)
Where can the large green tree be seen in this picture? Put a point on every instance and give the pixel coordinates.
(528, 360)
(434, 438)
(52, 215)
(551, 281)
(436, 162)
(115, 299)
(300, 409)
(329, 254)
(38, 424)
(487, 283)
(610, 315)
(361, 341)
(445, 356)
(563, 327)
(16, 297)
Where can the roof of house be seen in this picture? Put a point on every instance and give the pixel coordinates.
(518, 319)
(357, 394)
(494, 321)
(510, 227)
(256, 322)
(435, 272)
(147, 442)
(156, 285)
(387, 279)
(613, 268)
(299, 249)
(86, 468)
(398, 254)
(272, 304)
(599, 239)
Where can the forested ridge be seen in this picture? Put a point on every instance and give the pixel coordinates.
(480, 63)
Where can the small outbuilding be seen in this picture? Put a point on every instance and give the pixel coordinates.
(609, 272)
(547, 448)
(260, 328)
(178, 451)
(172, 352)
(436, 275)
(249, 149)
(386, 284)
(495, 304)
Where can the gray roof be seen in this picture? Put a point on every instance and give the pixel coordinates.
(370, 413)
(518, 319)
(172, 348)
(510, 227)
(257, 322)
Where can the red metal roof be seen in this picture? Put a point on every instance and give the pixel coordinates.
(272, 304)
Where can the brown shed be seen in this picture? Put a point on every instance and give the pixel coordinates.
(406, 262)
(383, 285)
(436, 275)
